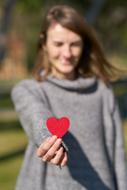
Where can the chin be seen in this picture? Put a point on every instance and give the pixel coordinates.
(66, 72)
(67, 69)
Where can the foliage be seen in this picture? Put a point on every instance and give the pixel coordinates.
(29, 5)
(33, 6)
(113, 25)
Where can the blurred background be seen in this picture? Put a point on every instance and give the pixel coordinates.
(20, 22)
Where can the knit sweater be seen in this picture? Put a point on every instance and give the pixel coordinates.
(94, 141)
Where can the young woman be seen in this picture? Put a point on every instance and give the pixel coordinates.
(72, 79)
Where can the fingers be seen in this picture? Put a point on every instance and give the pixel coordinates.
(58, 157)
(64, 160)
(46, 145)
(52, 151)
(61, 158)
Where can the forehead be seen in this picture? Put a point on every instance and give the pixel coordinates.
(58, 32)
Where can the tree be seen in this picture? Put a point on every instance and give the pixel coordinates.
(94, 10)
(5, 24)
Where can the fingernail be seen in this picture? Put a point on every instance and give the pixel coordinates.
(61, 149)
(62, 165)
(54, 136)
(59, 140)
(43, 159)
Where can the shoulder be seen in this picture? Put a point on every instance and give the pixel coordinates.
(27, 83)
(108, 96)
(106, 89)
(28, 87)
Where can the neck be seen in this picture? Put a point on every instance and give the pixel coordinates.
(59, 75)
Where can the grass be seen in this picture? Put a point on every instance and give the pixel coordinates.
(12, 139)
(7, 117)
(6, 102)
(8, 173)
(125, 135)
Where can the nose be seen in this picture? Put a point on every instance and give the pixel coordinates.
(67, 51)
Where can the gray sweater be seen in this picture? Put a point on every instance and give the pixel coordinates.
(95, 142)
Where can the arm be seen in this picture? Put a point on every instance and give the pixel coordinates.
(32, 110)
(31, 106)
(114, 137)
(120, 165)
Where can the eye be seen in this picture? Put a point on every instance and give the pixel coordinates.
(58, 44)
(77, 44)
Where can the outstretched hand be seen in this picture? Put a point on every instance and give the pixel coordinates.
(52, 151)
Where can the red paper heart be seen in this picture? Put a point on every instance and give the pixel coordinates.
(58, 127)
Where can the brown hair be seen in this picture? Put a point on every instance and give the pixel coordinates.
(92, 62)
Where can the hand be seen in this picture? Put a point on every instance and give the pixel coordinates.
(51, 151)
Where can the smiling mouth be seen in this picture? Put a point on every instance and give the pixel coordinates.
(66, 63)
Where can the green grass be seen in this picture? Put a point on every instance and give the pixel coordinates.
(8, 117)
(11, 140)
(8, 173)
(12, 136)
(125, 135)
(6, 103)
(120, 90)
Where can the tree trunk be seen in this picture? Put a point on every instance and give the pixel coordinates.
(4, 27)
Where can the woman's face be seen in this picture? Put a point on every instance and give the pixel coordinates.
(64, 49)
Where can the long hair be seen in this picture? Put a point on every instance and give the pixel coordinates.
(92, 62)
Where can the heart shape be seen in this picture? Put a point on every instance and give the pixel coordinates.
(58, 127)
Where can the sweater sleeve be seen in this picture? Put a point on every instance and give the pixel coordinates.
(114, 138)
(119, 162)
(30, 104)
